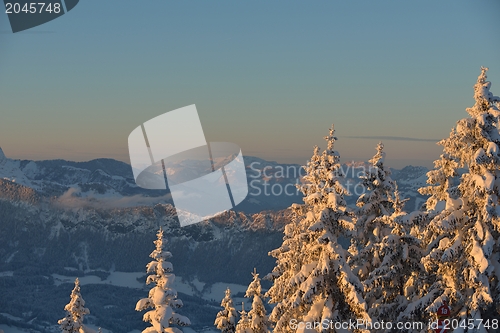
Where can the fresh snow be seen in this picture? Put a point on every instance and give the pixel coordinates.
(9, 169)
(478, 255)
(12, 329)
(218, 289)
(11, 317)
(129, 280)
(119, 279)
(5, 274)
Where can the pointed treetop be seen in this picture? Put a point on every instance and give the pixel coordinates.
(397, 202)
(255, 274)
(254, 289)
(75, 293)
(481, 88)
(331, 138)
(160, 255)
(379, 157)
(75, 311)
(482, 95)
(159, 242)
(227, 317)
(482, 77)
(244, 324)
(243, 312)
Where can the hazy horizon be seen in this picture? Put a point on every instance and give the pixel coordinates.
(390, 162)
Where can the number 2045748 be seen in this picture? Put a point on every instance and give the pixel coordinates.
(32, 8)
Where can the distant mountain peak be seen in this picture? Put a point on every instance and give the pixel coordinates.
(2, 155)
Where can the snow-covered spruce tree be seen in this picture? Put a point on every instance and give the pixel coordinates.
(226, 318)
(259, 322)
(162, 298)
(462, 237)
(75, 312)
(391, 284)
(374, 203)
(312, 281)
(244, 324)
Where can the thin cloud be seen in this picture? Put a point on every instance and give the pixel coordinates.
(392, 138)
(73, 198)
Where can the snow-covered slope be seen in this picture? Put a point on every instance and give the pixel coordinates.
(9, 169)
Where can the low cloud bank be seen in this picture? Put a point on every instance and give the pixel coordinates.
(75, 198)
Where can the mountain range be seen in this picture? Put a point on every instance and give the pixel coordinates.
(60, 220)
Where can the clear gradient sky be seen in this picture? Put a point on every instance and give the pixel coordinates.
(270, 76)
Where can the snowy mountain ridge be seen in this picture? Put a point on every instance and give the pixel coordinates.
(109, 183)
(10, 170)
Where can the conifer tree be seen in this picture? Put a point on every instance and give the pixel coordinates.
(75, 312)
(244, 324)
(162, 297)
(312, 281)
(462, 234)
(258, 318)
(226, 318)
(374, 203)
(392, 282)
(384, 253)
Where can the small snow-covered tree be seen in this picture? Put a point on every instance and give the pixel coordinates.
(462, 236)
(374, 203)
(244, 324)
(259, 322)
(226, 318)
(312, 281)
(75, 312)
(162, 297)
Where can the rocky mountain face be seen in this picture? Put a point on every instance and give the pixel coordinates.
(43, 248)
